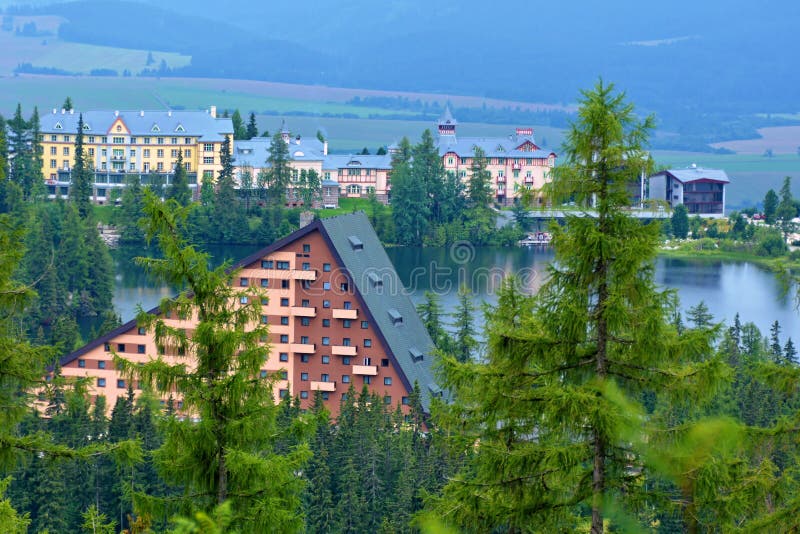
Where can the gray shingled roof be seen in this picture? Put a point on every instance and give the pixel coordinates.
(447, 117)
(141, 123)
(698, 173)
(254, 152)
(406, 339)
(494, 147)
(371, 161)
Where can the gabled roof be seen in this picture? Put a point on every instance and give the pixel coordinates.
(143, 123)
(693, 174)
(494, 147)
(356, 246)
(447, 117)
(362, 161)
(254, 152)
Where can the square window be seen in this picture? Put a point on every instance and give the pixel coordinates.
(265, 282)
(304, 340)
(367, 380)
(326, 359)
(284, 356)
(325, 395)
(345, 379)
(387, 399)
(283, 393)
(243, 282)
(326, 285)
(283, 265)
(81, 363)
(284, 375)
(284, 320)
(348, 305)
(305, 358)
(242, 300)
(284, 284)
(346, 341)
(344, 286)
(140, 349)
(387, 380)
(385, 362)
(345, 360)
(365, 324)
(304, 377)
(142, 331)
(267, 264)
(405, 401)
(306, 247)
(305, 303)
(284, 338)
(101, 364)
(264, 319)
(306, 266)
(326, 341)
(325, 377)
(326, 323)
(284, 301)
(305, 321)
(326, 304)
(367, 343)
(120, 383)
(107, 347)
(101, 382)
(263, 373)
(326, 267)
(304, 394)
(264, 301)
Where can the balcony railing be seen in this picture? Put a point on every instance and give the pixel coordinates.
(345, 314)
(323, 386)
(365, 370)
(343, 350)
(302, 348)
(303, 311)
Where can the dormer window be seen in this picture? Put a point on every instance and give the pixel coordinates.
(155, 128)
(395, 316)
(86, 126)
(58, 126)
(180, 128)
(355, 243)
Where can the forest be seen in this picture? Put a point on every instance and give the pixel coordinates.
(593, 405)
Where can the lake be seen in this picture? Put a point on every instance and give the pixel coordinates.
(726, 287)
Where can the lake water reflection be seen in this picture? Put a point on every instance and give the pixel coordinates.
(726, 287)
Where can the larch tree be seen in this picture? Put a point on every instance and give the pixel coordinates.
(548, 418)
(223, 452)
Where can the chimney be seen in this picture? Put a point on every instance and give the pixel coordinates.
(72, 111)
(213, 111)
(325, 148)
(297, 140)
(141, 113)
(116, 113)
(169, 113)
(55, 111)
(63, 111)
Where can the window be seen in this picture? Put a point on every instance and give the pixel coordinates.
(283, 393)
(346, 323)
(306, 247)
(326, 286)
(140, 349)
(146, 152)
(405, 401)
(159, 166)
(305, 303)
(305, 321)
(284, 301)
(304, 340)
(326, 304)
(325, 377)
(304, 394)
(118, 140)
(326, 341)
(147, 140)
(284, 320)
(344, 286)
(133, 140)
(243, 282)
(264, 282)
(367, 380)
(53, 164)
(101, 382)
(121, 383)
(208, 147)
(66, 139)
(346, 360)
(284, 356)
(367, 343)
(243, 300)
(266, 264)
(264, 319)
(283, 265)
(305, 358)
(367, 361)
(160, 140)
(304, 377)
(121, 347)
(326, 359)
(284, 375)
(326, 395)
(187, 140)
(284, 338)
(174, 140)
(208, 160)
(326, 323)
(387, 380)
(326, 267)
(348, 305)
(53, 151)
(81, 363)
(264, 301)
(160, 153)
(387, 399)
(173, 153)
(284, 284)
(346, 341)
(345, 379)
(187, 153)
(66, 151)
(385, 362)
(263, 373)
(306, 266)
(54, 138)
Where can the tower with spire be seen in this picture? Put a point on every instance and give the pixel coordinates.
(447, 124)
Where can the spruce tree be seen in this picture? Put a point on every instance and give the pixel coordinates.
(464, 342)
(33, 183)
(225, 450)
(252, 127)
(239, 129)
(410, 202)
(549, 415)
(130, 211)
(479, 187)
(770, 206)
(80, 190)
(280, 172)
(229, 223)
(680, 222)
(786, 210)
(19, 137)
(179, 190)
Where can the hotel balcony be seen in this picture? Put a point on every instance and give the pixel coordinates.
(289, 274)
(118, 158)
(501, 179)
(342, 350)
(303, 311)
(302, 348)
(345, 314)
(367, 370)
(516, 166)
(323, 386)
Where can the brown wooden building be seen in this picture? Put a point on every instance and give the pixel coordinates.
(337, 312)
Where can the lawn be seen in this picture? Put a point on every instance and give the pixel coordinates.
(346, 205)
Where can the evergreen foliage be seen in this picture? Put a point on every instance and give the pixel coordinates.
(680, 222)
(252, 127)
(81, 175)
(239, 129)
(770, 206)
(179, 189)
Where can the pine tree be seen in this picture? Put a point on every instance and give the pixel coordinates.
(464, 342)
(80, 190)
(19, 137)
(252, 127)
(555, 437)
(67, 105)
(179, 190)
(226, 454)
(428, 169)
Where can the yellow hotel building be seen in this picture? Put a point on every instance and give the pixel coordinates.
(121, 143)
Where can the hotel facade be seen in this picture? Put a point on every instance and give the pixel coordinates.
(337, 312)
